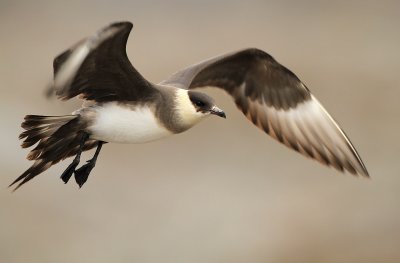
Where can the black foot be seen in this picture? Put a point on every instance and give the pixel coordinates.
(82, 174)
(66, 175)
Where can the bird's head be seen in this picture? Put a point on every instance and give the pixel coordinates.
(193, 106)
(204, 104)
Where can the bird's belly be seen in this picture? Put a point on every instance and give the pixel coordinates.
(119, 124)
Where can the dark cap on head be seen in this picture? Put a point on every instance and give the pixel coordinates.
(204, 103)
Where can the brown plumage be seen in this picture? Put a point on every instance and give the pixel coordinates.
(274, 99)
(126, 108)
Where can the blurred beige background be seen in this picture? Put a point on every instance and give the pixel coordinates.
(250, 199)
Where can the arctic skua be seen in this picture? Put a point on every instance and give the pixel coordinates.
(121, 106)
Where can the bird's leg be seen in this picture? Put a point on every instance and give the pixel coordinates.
(66, 175)
(82, 174)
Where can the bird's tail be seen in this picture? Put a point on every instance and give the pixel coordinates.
(58, 137)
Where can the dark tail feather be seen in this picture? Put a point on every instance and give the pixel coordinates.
(41, 127)
(38, 167)
(58, 137)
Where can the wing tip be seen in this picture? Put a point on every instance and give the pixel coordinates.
(121, 24)
(364, 173)
(358, 170)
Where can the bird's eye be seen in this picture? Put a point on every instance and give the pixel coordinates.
(199, 103)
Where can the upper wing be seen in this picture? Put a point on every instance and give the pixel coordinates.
(98, 68)
(275, 100)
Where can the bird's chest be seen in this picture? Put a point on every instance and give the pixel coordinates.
(119, 124)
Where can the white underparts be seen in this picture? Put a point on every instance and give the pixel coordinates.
(122, 124)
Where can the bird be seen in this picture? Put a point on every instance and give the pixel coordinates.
(121, 106)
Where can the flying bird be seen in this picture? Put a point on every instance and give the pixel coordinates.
(121, 106)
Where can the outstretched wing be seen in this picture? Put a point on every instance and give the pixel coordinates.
(276, 101)
(97, 68)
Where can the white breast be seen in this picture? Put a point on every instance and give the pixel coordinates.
(119, 124)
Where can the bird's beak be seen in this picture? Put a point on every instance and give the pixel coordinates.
(217, 111)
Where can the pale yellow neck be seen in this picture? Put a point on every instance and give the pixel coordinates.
(186, 110)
